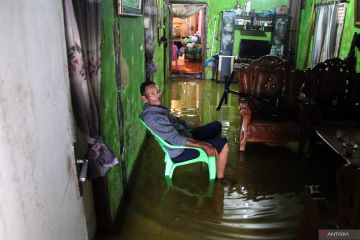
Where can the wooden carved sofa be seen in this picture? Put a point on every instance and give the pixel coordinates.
(268, 102)
(333, 88)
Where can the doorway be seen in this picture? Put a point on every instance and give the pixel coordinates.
(188, 39)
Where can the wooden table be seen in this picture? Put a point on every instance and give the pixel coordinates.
(329, 133)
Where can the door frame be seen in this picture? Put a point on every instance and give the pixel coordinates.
(203, 38)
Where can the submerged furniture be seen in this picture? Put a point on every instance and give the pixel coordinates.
(170, 165)
(268, 102)
(334, 90)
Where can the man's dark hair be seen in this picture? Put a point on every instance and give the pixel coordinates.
(144, 85)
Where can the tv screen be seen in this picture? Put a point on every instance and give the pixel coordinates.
(253, 48)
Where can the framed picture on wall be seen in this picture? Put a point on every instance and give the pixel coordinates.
(357, 13)
(130, 7)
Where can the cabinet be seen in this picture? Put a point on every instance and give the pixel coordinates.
(253, 23)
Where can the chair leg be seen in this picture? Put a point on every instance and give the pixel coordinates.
(169, 169)
(242, 135)
(242, 145)
(212, 168)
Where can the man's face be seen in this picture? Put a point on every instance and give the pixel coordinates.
(152, 95)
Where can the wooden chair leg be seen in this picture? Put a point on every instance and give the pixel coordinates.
(242, 145)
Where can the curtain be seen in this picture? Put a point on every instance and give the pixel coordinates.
(185, 10)
(330, 36)
(150, 13)
(340, 26)
(83, 47)
(320, 24)
(201, 26)
(325, 33)
(81, 91)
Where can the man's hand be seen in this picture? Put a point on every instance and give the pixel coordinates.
(208, 148)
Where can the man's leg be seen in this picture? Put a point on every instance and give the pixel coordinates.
(207, 131)
(221, 161)
(222, 147)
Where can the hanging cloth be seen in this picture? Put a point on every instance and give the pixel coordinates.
(340, 26)
(83, 34)
(330, 36)
(185, 10)
(325, 33)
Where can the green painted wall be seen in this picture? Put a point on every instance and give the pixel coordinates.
(348, 32)
(132, 75)
(108, 110)
(130, 34)
(159, 59)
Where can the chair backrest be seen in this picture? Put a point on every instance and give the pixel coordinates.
(329, 80)
(163, 144)
(263, 77)
(333, 85)
(271, 80)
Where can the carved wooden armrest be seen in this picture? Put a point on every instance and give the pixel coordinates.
(245, 118)
(245, 110)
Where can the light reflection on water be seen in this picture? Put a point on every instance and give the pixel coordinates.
(247, 211)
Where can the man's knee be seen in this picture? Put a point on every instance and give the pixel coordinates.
(216, 125)
(225, 148)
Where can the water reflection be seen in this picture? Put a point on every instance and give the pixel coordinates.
(230, 213)
(185, 100)
(197, 193)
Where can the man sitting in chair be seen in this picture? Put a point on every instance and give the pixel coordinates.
(177, 131)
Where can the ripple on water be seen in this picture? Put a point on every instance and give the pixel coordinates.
(231, 214)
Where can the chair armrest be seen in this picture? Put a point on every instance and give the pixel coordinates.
(168, 145)
(245, 110)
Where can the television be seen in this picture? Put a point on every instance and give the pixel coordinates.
(253, 49)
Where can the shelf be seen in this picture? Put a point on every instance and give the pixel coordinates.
(255, 23)
(254, 28)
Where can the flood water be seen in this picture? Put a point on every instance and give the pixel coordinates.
(263, 204)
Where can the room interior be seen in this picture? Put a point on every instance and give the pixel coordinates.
(188, 35)
(263, 50)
